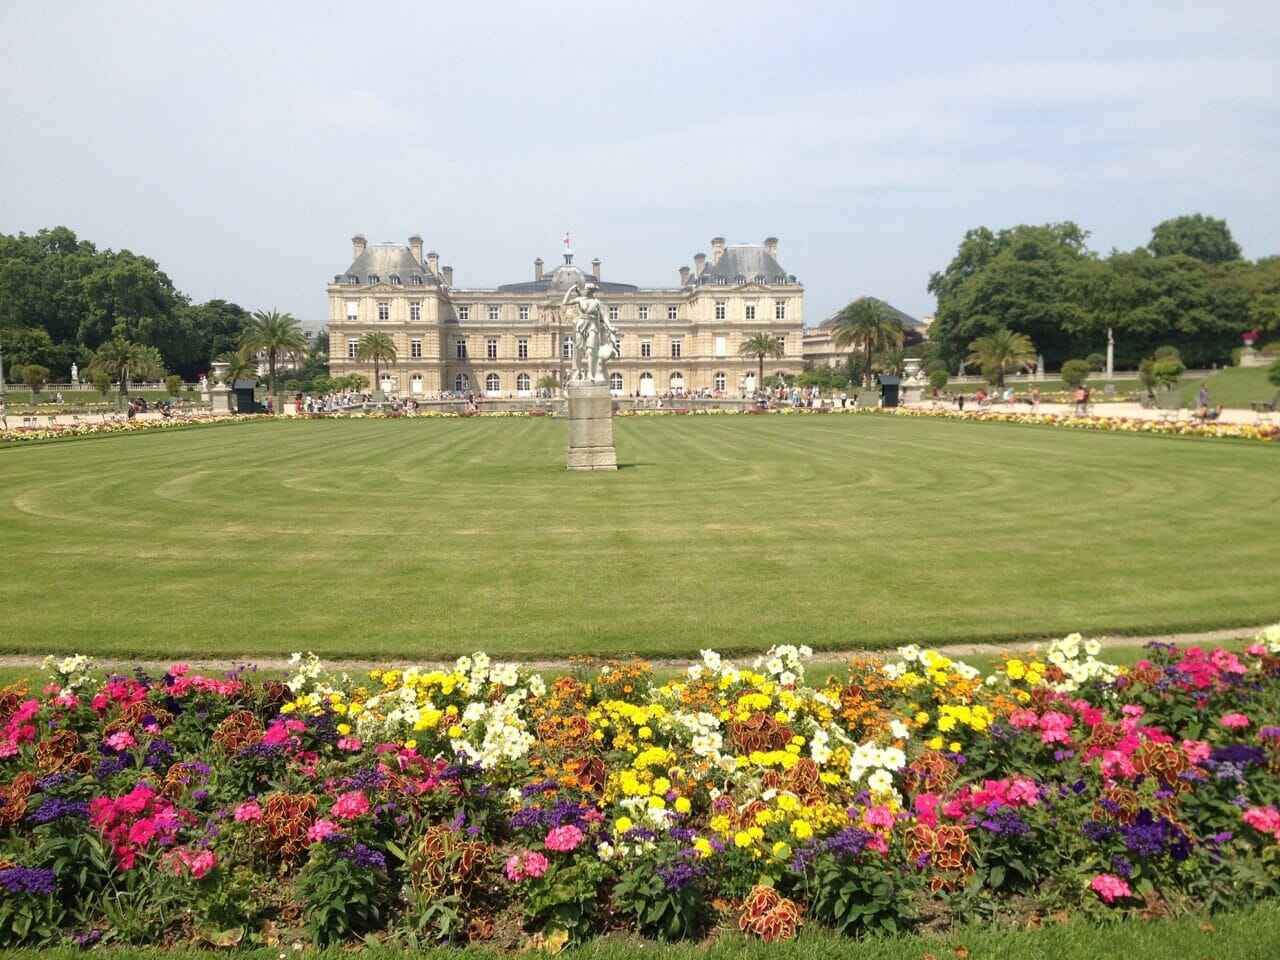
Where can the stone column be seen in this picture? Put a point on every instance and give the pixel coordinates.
(591, 427)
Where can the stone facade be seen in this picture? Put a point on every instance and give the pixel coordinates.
(501, 341)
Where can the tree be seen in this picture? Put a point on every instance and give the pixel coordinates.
(1001, 351)
(1273, 373)
(173, 384)
(938, 379)
(376, 347)
(117, 357)
(548, 382)
(1075, 373)
(35, 376)
(239, 366)
(206, 330)
(760, 345)
(102, 383)
(1096, 361)
(868, 325)
(275, 334)
(1196, 236)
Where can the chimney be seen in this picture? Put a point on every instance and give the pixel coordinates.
(537, 269)
(433, 261)
(771, 246)
(699, 262)
(448, 276)
(415, 247)
(684, 276)
(595, 268)
(717, 249)
(358, 243)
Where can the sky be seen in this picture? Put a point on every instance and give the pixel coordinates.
(241, 145)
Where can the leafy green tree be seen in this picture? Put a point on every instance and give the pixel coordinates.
(102, 383)
(275, 334)
(1096, 361)
(938, 379)
(118, 357)
(1273, 373)
(35, 376)
(760, 345)
(376, 348)
(1168, 372)
(867, 325)
(206, 330)
(549, 382)
(1075, 373)
(1198, 236)
(239, 366)
(1001, 351)
(173, 384)
(29, 345)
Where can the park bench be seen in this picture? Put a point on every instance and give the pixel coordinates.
(1169, 405)
(31, 421)
(1263, 409)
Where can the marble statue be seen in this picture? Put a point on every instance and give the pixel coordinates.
(595, 340)
(75, 372)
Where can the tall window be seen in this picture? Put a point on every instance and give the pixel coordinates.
(493, 314)
(384, 310)
(353, 344)
(673, 313)
(491, 348)
(722, 346)
(675, 348)
(415, 311)
(395, 281)
(461, 383)
(646, 348)
(751, 311)
(524, 313)
(613, 312)
(677, 382)
(522, 348)
(464, 312)
(721, 380)
(644, 313)
(782, 345)
(492, 385)
(615, 383)
(416, 281)
(566, 348)
(646, 384)
(461, 349)
(720, 311)
(415, 348)
(780, 310)
(353, 310)
(415, 383)
(522, 385)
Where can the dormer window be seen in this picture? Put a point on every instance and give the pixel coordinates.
(395, 281)
(739, 279)
(415, 281)
(350, 278)
(759, 278)
(722, 280)
(373, 278)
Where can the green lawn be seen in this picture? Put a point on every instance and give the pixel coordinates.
(425, 538)
(1233, 387)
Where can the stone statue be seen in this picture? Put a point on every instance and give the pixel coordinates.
(75, 372)
(595, 341)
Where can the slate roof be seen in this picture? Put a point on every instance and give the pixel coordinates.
(908, 321)
(744, 262)
(384, 261)
(562, 278)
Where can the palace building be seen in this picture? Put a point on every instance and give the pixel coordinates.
(502, 341)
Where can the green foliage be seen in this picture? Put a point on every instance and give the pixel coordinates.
(760, 345)
(1273, 373)
(275, 334)
(1001, 351)
(1167, 353)
(1075, 373)
(1147, 374)
(938, 379)
(1096, 361)
(1198, 236)
(1168, 372)
(173, 384)
(118, 358)
(661, 912)
(867, 325)
(35, 376)
(378, 348)
(340, 898)
(239, 366)
(857, 895)
(563, 900)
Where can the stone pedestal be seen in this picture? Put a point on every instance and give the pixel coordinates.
(1251, 357)
(591, 427)
(221, 397)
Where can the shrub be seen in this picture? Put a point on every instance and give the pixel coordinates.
(35, 376)
(1075, 373)
(938, 379)
(102, 383)
(1167, 372)
(1168, 353)
(1273, 373)
(1096, 361)
(173, 383)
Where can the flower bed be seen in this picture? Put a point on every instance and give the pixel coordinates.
(486, 803)
(57, 431)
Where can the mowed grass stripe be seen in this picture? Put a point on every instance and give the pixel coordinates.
(430, 538)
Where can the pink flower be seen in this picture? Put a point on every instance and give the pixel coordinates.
(352, 744)
(1234, 721)
(1266, 819)
(881, 817)
(121, 740)
(351, 805)
(248, 811)
(1197, 751)
(321, 829)
(179, 669)
(202, 863)
(1110, 887)
(527, 864)
(563, 839)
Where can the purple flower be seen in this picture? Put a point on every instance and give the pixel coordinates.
(28, 880)
(679, 873)
(366, 857)
(55, 808)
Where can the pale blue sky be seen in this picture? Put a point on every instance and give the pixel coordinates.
(242, 144)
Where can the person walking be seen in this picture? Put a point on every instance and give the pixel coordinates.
(1202, 400)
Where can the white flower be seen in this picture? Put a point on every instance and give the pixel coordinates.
(899, 730)
(604, 851)
(787, 679)
(1092, 647)
(880, 782)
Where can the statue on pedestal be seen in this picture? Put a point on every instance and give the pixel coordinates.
(595, 341)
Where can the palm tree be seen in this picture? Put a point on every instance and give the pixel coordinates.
(240, 366)
(867, 324)
(1002, 350)
(274, 334)
(116, 357)
(549, 382)
(376, 347)
(760, 345)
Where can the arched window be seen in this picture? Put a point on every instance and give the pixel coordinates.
(615, 384)
(566, 349)
(677, 382)
(415, 383)
(646, 385)
(522, 385)
(721, 381)
(461, 383)
(492, 386)
(749, 383)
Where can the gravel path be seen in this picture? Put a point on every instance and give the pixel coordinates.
(820, 657)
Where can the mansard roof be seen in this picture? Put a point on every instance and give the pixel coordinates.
(745, 262)
(386, 260)
(908, 322)
(561, 279)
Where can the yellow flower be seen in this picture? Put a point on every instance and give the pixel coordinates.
(703, 846)
(683, 805)
(344, 728)
(622, 824)
(954, 746)
(801, 830)
(657, 803)
(781, 850)
(935, 743)
(644, 733)
(411, 744)
(455, 731)
(742, 839)
(720, 823)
